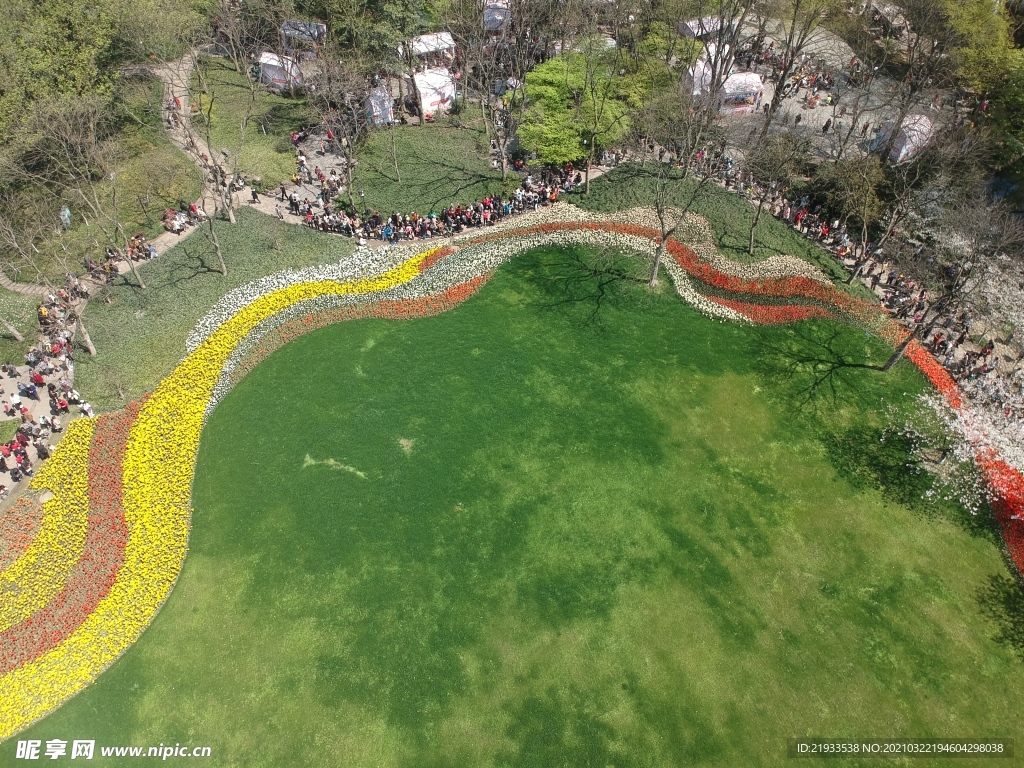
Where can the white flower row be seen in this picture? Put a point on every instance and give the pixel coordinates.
(694, 230)
(455, 269)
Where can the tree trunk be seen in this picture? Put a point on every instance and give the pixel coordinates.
(898, 353)
(590, 162)
(216, 246)
(131, 266)
(658, 254)
(753, 225)
(85, 338)
(11, 329)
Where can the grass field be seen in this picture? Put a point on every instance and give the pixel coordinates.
(140, 335)
(507, 537)
(266, 151)
(730, 215)
(437, 165)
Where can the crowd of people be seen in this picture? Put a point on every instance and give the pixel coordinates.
(319, 213)
(50, 367)
(945, 330)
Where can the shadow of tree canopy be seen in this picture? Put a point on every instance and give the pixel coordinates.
(1002, 602)
(582, 282)
(870, 456)
(815, 364)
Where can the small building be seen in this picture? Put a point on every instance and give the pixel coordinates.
(434, 50)
(437, 91)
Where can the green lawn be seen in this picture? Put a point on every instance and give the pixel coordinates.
(266, 151)
(140, 335)
(564, 544)
(730, 215)
(437, 165)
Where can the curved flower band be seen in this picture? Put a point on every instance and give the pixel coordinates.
(109, 545)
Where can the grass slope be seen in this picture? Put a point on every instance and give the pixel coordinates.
(150, 174)
(19, 311)
(437, 165)
(730, 215)
(573, 545)
(266, 151)
(140, 335)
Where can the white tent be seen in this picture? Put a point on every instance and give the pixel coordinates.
(380, 107)
(913, 135)
(437, 91)
(741, 93)
(433, 43)
(701, 71)
(279, 73)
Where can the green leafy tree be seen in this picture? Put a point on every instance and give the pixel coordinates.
(1008, 112)
(578, 103)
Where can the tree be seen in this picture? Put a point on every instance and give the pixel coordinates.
(578, 102)
(977, 232)
(684, 128)
(773, 163)
(339, 103)
(68, 148)
(853, 188)
(794, 22)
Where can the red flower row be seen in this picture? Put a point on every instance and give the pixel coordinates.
(772, 314)
(19, 526)
(404, 309)
(93, 575)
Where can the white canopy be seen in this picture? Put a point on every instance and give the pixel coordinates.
(700, 28)
(279, 72)
(438, 41)
(913, 136)
(741, 93)
(437, 91)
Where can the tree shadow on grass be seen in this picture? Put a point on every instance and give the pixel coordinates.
(814, 366)
(887, 460)
(189, 265)
(1002, 601)
(582, 283)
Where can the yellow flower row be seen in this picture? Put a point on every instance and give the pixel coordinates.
(32, 581)
(159, 463)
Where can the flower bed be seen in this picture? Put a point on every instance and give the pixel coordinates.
(19, 526)
(93, 575)
(110, 544)
(35, 578)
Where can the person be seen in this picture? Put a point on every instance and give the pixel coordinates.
(15, 475)
(826, 126)
(255, 195)
(797, 120)
(87, 410)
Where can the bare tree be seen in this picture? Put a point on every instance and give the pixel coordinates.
(773, 162)
(793, 24)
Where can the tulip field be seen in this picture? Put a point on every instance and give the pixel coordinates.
(485, 508)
